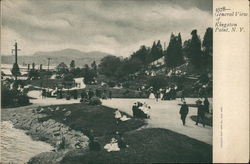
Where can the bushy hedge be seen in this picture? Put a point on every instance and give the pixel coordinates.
(12, 97)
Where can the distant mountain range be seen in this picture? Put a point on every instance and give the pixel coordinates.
(66, 55)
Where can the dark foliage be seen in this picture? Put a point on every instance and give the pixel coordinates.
(12, 97)
(109, 65)
(194, 50)
(72, 65)
(15, 70)
(158, 82)
(174, 56)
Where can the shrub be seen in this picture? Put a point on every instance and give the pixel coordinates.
(95, 101)
(157, 82)
(111, 83)
(12, 98)
(126, 84)
(23, 100)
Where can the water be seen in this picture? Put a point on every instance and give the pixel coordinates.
(17, 147)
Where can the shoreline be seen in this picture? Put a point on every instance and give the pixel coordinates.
(26, 118)
(13, 139)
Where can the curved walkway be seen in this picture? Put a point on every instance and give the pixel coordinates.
(48, 101)
(165, 114)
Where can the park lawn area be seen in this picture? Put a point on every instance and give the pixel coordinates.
(147, 146)
(47, 83)
(84, 117)
(152, 145)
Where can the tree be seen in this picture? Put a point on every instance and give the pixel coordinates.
(174, 55)
(33, 74)
(94, 67)
(142, 54)
(76, 72)
(156, 51)
(157, 82)
(33, 65)
(15, 70)
(207, 45)
(208, 41)
(72, 65)
(129, 66)
(185, 48)
(109, 65)
(68, 77)
(194, 51)
(89, 76)
(159, 53)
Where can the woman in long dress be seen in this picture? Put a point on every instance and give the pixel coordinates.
(151, 95)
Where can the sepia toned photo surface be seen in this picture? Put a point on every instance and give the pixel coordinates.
(116, 81)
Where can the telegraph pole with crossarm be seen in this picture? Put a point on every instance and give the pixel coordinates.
(15, 49)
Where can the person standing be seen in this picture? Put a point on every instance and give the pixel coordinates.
(200, 113)
(110, 94)
(206, 105)
(43, 93)
(184, 112)
(182, 95)
(157, 93)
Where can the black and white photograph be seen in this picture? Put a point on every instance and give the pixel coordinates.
(106, 81)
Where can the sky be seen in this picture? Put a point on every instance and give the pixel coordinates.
(118, 27)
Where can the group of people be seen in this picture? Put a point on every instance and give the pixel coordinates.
(117, 141)
(202, 108)
(103, 94)
(168, 93)
(141, 110)
(84, 94)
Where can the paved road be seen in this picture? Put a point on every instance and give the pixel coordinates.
(165, 114)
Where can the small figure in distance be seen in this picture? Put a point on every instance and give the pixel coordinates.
(118, 115)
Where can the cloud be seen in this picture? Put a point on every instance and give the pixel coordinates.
(117, 27)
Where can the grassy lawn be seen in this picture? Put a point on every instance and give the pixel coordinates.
(47, 83)
(145, 146)
(85, 117)
(148, 146)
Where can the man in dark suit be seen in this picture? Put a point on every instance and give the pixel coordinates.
(184, 112)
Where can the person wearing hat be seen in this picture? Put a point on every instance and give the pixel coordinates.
(183, 112)
(200, 113)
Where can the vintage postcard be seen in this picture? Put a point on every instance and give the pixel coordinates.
(124, 81)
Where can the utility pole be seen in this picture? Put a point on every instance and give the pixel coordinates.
(15, 49)
(49, 62)
(15, 70)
